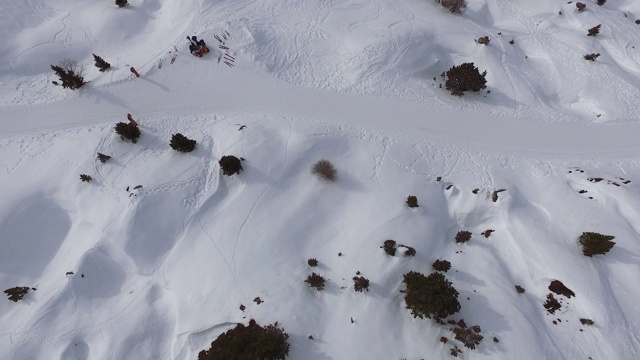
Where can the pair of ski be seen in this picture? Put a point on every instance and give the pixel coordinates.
(173, 58)
(226, 33)
(228, 59)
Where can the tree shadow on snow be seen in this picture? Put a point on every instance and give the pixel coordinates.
(348, 182)
(98, 96)
(163, 87)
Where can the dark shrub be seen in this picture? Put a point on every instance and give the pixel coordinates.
(469, 336)
(487, 233)
(251, 342)
(520, 289)
(430, 296)
(181, 143)
(122, 3)
(230, 165)
(581, 6)
(100, 63)
(70, 73)
(484, 40)
(16, 294)
(412, 201)
(494, 195)
(601, 2)
(465, 77)
(559, 288)
(594, 243)
(389, 247)
(455, 6)
(325, 171)
(594, 30)
(85, 177)
(313, 262)
(128, 131)
(552, 304)
(455, 351)
(443, 340)
(592, 56)
(463, 236)
(588, 322)
(410, 251)
(441, 265)
(315, 281)
(360, 283)
(103, 158)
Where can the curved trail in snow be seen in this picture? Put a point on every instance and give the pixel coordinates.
(268, 96)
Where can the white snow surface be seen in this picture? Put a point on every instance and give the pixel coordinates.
(160, 271)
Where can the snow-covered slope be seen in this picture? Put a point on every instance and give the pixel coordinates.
(161, 270)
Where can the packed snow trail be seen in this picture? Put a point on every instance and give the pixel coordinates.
(239, 91)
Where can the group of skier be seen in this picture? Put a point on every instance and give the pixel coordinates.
(197, 47)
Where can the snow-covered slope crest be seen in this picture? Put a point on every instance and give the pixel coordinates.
(534, 60)
(153, 258)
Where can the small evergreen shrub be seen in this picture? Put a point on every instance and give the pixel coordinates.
(454, 6)
(465, 77)
(552, 304)
(430, 296)
(594, 30)
(315, 281)
(181, 143)
(122, 3)
(587, 322)
(595, 244)
(463, 236)
(484, 40)
(441, 265)
(494, 195)
(601, 2)
(313, 262)
(487, 233)
(389, 247)
(16, 294)
(324, 170)
(360, 283)
(520, 289)
(455, 351)
(70, 73)
(230, 165)
(412, 201)
(410, 251)
(100, 63)
(251, 342)
(128, 131)
(559, 288)
(103, 158)
(85, 178)
(469, 336)
(581, 6)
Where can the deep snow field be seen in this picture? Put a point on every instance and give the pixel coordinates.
(160, 271)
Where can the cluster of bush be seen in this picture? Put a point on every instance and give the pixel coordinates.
(71, 73)
(251, 342)
(390, 247)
